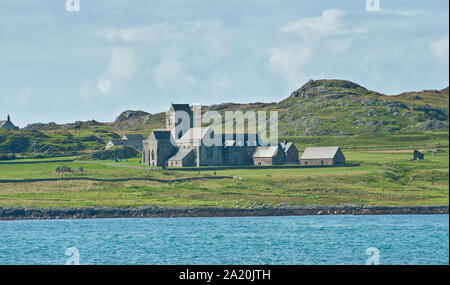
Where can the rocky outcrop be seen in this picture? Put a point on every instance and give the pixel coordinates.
(42, 126)
(315, 88)
(432, 125)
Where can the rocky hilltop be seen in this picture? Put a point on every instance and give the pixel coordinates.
(319, 107)
(339, 107)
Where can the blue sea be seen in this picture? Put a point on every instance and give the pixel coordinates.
(385, 239)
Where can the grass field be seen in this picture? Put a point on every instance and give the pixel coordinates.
(385, 177)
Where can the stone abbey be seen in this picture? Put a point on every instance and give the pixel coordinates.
(179, 145)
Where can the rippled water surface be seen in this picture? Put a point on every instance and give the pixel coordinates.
(409, 239)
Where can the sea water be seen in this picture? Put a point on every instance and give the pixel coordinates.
(383, 239)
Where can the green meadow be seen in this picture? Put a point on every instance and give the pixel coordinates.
(386, 176)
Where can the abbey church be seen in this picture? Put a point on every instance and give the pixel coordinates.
(168, 147)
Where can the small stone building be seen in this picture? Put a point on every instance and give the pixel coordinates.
(269, 155)
(321, 156)
(8, 124)
(134, 140)
(291, 152)
(115, 142)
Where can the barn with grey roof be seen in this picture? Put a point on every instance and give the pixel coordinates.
(321, 156)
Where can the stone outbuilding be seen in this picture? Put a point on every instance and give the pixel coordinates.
(116, 142)
(269, 155)
(134, 140)
(8, 124)
(321, 156)
(291, 152)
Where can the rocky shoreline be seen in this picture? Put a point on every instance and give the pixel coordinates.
(26, 213)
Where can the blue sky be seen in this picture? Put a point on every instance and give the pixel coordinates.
(115, 55)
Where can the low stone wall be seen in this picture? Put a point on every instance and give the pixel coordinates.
(116, 180)
(168, 212)
(37, 162)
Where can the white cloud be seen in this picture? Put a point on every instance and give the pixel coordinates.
(328, 24)
(121, 66)
(289, 61)
(323, 38)
(440, 50)
(170, 72)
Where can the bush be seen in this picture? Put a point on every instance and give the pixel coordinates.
(121, 152)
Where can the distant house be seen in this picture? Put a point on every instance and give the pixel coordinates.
(8, 124)
(134, 141)
(322, 156)
(291, 152)
(116, 142)
(269, 155)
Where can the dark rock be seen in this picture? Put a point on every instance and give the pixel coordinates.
(432, 125)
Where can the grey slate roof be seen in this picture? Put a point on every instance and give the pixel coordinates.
(320, 152)
(182, 153)
(117, 142)
(1, 123)
(241, 139)
(162, 134)
(266, 151)
(181, 107)
(134, 139)
(229, 143)
(286, 146)
(195, 135)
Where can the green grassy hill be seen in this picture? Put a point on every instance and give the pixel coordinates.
(320, 108)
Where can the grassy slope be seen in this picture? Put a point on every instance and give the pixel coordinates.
(385, 177)
(330, 107)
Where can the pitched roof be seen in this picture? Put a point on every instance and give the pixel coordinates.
(117, 141)
(162, 134)
(286, 146)
(2, 122)
(195, 135)
(241, 139)
(182, 153)
(181, 107)
(134, 139)
(266, 151)
(320, 152)
(230, 143)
